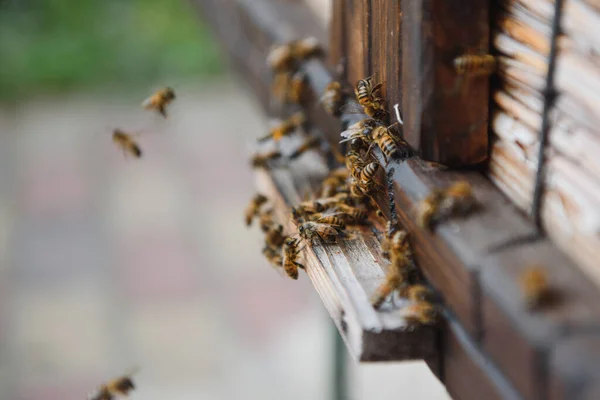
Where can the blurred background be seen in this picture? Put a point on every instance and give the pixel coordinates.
(108, 263)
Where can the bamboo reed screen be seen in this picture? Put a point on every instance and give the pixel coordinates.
(570, 195)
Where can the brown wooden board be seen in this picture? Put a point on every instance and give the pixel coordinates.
(446, 114)
(519, 340)
(358, 30)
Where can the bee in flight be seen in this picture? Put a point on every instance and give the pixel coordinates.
(535, 287)
(332, 98)
(476, 65)
(457, 199)
(253, 208)
(160, 100)
(117, 387)
(126, 142)
(290, 253)
(286, 127)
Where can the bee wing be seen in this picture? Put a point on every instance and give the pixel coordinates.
(352, 108)
(329, 213)
(149, 102)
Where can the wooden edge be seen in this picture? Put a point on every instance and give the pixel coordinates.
(347, 274)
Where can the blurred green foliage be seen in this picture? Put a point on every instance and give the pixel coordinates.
(58, 45)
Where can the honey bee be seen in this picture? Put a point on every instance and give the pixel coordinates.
(365, 95)
(335, 182)
(421, 313)
(332, 98)
(290, 253)
(160, 100)
(126, 143)
(120, 386)
(310, 143)
(367, 176)
(274, 236)
(535, 287)
(305, 48)
(457, 199)
(262, 160)
(285, 127)
(476, 65)
(341, 198)
(360, 130)
(391, 146)
(418, 293)
(280, 86)
(304, 210)
(311, 230)
(273, 256)
(352, 215)
(393, 280)
(253, 208)
(265, 220)
(329, 218)
(280, 58)
(354, 163)
(297, 90)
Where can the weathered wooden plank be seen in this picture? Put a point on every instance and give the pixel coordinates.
(446, 114)
(337, 37)
(519, 340)
(358, 29)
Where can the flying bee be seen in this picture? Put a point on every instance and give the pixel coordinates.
(421, 313)
(117, 387)
(253, 208)
(332, 98)
(273, 256)
(160, 100)
(305, 48)
(535, 287)
(457, 199)
(280, 58)
(476, 65)
(311, 230)
(274, 236)
(310, 143)
(290, 253)
(298, 89)
(262, 160)
(126, 143)
(391, 146)
(285, 127)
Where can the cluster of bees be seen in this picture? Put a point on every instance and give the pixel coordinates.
(157, 102)
(113, 389)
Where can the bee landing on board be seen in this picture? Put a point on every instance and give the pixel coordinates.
(160, 100)
(285, 127)
(290, 253)
(332, 98)
(117, 387)
(457, 199)
(535, 287)
(253, 209)
(475, 65)
(126, 142)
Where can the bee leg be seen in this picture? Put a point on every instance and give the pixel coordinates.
(162, 109)
(297, 264)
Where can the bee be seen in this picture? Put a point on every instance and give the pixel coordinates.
(333, 201)
(274, 236)
(303, 49)
(120, 386)
(253, 208)
(273, 256)
(126, 143)
(356, 191)
(280, 86)
(365, 91)
(335, 182)
(391, 146)
(160, 100)
(421, 313)
(305, 209)
(360, 130)
(297, 89)
(367, 174)
(534, 285)
(476, 65)
(280, 58)
(310, 143)
(354, 163)
(393, 280)
(332, 98)
(262, 160)
(265, 220)
(285, 127)
(457, 199)
(290, 253)
(329, 218)
(352, 215)
(418, 293)
(396, 243)
(311, 230)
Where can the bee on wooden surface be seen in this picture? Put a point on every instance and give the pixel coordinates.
(274, 236)
(354, 163)
(310, 143)
(290, 252)
(280, 86)
(335, 182)
(535, 287)
(329, 218)
(117, 387)
(421, 313)
(263, 160)
(418, 293)
(273, 256)
(160, 100)
(253, 208)
(305, 48)
(332, 98)
(311, 230)
(285, 127)
(356, 191)
(393, 280)
(298, 88)
(126, 142)
(367, 176)
(457, 199)
(304, 210)
(352, 215)
(476, 65)
(280, 58)
(365, 91)
(392, 147)
(360, 130)
(265, 220)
